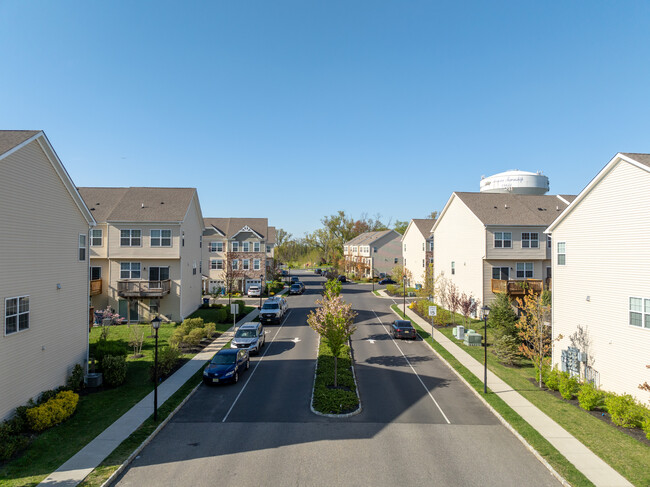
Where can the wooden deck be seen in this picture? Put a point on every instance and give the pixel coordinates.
(517, 287)
(143, 289)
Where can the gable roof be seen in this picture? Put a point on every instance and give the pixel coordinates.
(514, 209)
(138, 204)
(232, 226)
(272, 235)
(642, 161)
(369, 237)
(424, 225)
(14, 140)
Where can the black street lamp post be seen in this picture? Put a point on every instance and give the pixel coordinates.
(156, 324)
(486, 311)
(404, 289)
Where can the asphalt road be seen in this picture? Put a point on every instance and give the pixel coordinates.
(419, 425)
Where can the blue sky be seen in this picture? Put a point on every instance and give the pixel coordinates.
(293, 110)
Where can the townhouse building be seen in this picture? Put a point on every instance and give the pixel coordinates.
(488, 243)
(417, 250)
(238, 253)
(601, 279)
(145, 253)
(43, 270)
(372, 253)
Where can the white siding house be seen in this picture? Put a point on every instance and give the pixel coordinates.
(601, 278)
(417, 249)
(43, 270)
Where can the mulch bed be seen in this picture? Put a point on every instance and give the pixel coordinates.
(636, 433)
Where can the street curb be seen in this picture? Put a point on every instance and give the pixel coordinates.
(356, 387)
(508, 426)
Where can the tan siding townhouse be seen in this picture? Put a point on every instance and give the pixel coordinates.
(601, 279)
(417, 249)
(145, 251)
(237, 251)
(373, 253)
(487, 243)
(43, 270)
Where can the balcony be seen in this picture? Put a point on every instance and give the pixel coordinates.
(95, 287)
(143, 289)
(517, 287)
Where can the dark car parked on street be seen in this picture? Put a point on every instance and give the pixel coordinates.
(403, 329)
(387, 280)
(342, 278)
(297, 288)
(226, 366)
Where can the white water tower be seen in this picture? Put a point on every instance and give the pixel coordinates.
(516, 182)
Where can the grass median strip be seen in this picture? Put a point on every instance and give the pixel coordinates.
(327, 398)
(534, 439)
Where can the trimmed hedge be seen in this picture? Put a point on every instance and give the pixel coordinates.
(114, 370)
(53, 412)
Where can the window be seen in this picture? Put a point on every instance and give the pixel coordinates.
(130, 270)
(256, 264)
(194, 269)
(246, 247)
(158, 273)
(256, 246)
(453, 268)
(200, 241)
(345, 248)
(501, 273)
(268, 249)
(640, 312)
(502, 240)
(154, 305)
(529, 240)
(95, 273)
(524, 270)
(130, 238)
(82, 247)
(216, 247)
(213, 264)
(96, 237)
(430, 245)
(235, 246)
(561, 253)
(423, 264)
(246, 264)
(423, 243)
(161, 238)
(374, 249)
(355, 249)
(235, 264)
(548, 240)
(201, 266)
(16, 314)
(396, 260)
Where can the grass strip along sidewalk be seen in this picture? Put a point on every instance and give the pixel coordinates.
(328, 399)
(534, 439)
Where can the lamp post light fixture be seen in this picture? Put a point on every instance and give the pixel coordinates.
(261, 288)
(404, 289)
(486, 311)
(156, 324)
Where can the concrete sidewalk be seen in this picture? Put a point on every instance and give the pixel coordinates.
(80, 465)
(587, 462)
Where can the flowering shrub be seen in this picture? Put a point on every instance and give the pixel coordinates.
(53, 412)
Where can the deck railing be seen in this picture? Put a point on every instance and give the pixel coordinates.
(95, 287)
(130, 289)
(517, 287)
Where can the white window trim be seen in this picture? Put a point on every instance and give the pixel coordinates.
(161, 230)
(645, 315)
(256, 264)
(130, 237)
(158, 267)
(525, 264)
(530, 240)
(233, 245)
(563, 253)
(235, 265)
(18, 313)
(257, 247)
(101, 237)
(246, 265)
(130, 270)
(503, 240)
(246, 247)
(82, 246)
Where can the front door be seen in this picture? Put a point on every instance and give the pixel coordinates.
(123, 308)
(133, 311)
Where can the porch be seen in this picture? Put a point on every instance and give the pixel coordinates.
(517, 287)
(143, 289)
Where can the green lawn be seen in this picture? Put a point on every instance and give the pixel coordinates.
(209, 315)
(626, 455)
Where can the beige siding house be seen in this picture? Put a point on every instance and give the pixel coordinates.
(417, 249)
(373, 253)
(488, 243)
(145, 253)
(237, 253)
(43, 270)
(601, 279)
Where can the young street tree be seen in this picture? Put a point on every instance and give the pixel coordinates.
(333, 320)
(535, 335)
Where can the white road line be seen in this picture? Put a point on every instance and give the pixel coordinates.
(254, 369)
(416, 374)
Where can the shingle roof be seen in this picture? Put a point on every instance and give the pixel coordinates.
(138, 204)
(11, 138)
(368, 237)
(640, 158)
(230, 226)
(424, 225)
(272, 235)
(514, 209)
